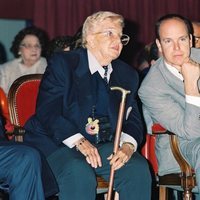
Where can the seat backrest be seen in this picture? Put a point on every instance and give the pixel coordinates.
(22, 98)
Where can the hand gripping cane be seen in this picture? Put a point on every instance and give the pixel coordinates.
(117, 135)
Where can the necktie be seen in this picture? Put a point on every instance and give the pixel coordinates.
(105, 74)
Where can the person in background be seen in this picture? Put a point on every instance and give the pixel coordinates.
(76, 115)
(196, 34)
(77, 39)
(170, 93)
(28, 47)
(59, 43)
(3, 56)
(147, 58)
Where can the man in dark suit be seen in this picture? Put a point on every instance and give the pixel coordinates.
(76, 116)
(20, 170)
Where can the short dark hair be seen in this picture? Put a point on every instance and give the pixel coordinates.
(186, 21)
(39, 33)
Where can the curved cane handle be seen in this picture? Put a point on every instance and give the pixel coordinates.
(123, 91)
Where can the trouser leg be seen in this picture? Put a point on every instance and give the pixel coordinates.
(21, 169)
(132, 181)
(75, 177)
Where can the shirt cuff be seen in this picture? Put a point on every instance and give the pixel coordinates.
(193, 100)
(127, 138)
(70, 142)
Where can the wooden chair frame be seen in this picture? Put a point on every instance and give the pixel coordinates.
(185, 179)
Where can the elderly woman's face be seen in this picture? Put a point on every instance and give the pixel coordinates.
(105, 41)
(30, 50)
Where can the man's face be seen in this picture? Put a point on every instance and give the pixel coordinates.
(196, 35)
(175, 43)
(105, 42)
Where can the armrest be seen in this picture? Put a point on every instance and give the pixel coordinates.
(184, 165)
(18, 132)
(174, 144)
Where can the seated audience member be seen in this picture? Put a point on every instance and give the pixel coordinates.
(24, 172)
(196, 34)
(28, 47)
(20, 170)
(3, 56)
(142, 60)
(147, 58)
(170, 93)
(77, 39)
(59, 43)
(76, 115)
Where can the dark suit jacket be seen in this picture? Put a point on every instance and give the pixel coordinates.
(66, 97)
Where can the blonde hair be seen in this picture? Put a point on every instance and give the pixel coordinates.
(95, 19)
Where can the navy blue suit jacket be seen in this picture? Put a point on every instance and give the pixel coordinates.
(66, 97)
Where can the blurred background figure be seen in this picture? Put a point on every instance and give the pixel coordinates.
(3, 56)
(77, 39)
(59, 43)
(146, 58)
(28, 47)
(196, 34)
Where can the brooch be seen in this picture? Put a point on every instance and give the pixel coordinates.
(92, 127)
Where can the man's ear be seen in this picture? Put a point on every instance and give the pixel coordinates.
(159, 45)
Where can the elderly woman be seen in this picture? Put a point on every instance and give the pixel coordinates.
(28, 47)
(76, 116)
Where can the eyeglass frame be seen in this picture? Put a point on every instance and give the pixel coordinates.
(109, 33)
(28, 46)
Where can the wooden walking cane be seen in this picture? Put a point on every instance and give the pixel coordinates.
(117, 135)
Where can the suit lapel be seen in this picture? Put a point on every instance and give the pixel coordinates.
(114, 96)
(86, 87)
(171, 79)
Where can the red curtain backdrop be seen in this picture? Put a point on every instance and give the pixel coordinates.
(64, 17)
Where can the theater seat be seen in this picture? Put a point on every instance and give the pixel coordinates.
(184, 181)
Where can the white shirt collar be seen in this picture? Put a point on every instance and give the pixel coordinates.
(95, 66)
(174, 71)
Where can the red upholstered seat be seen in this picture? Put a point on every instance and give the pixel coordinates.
(22, 98)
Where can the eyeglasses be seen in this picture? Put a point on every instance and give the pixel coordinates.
(29, 46)
(111, 34)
